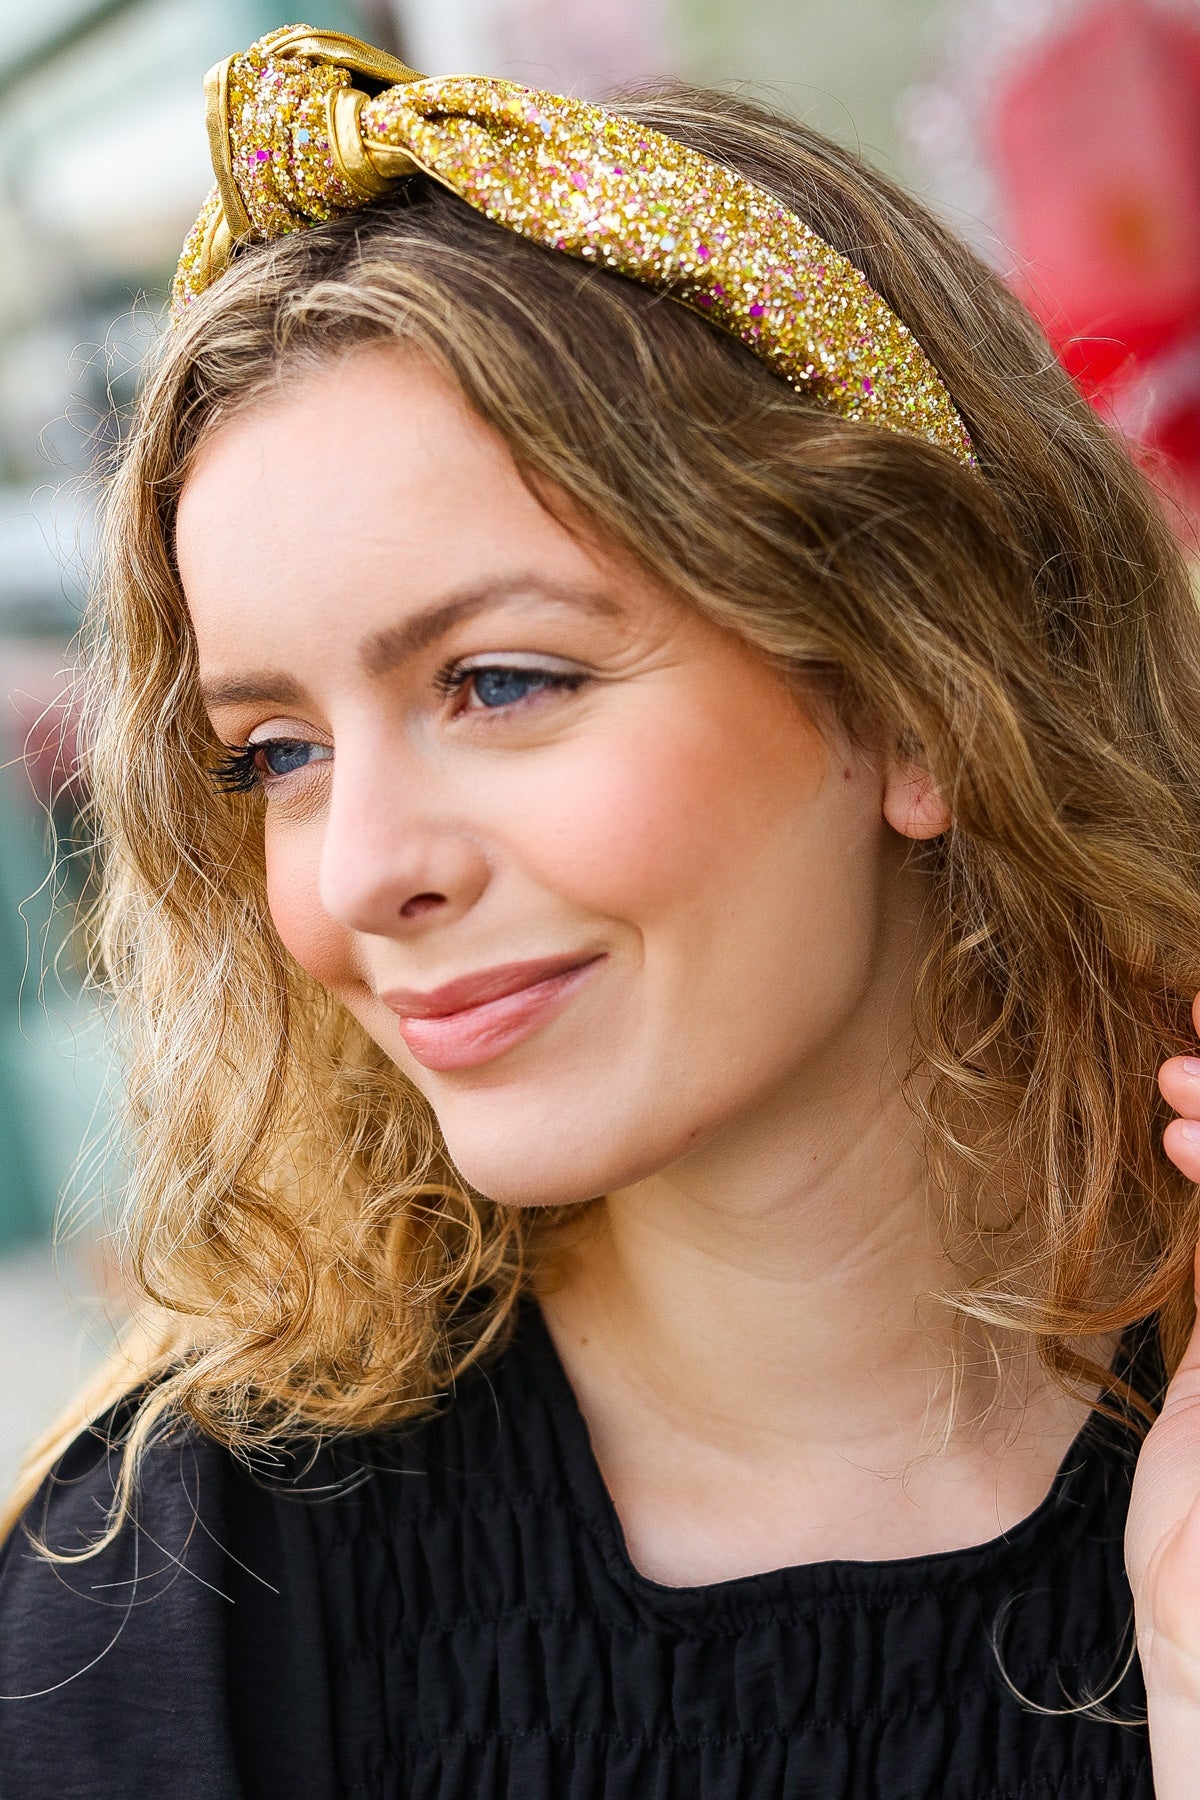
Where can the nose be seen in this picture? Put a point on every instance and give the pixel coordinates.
(397, 852)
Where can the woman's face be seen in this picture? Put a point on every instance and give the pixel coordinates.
(575, 857)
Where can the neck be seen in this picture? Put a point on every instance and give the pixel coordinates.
(804, 1274)
(760, 1344)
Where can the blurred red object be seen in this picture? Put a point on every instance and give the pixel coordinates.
(1094, 140)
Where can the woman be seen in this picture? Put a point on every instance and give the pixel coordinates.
(653, 857)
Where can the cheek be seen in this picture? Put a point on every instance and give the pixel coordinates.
(648, 821)
(318, 943)
(737, 857)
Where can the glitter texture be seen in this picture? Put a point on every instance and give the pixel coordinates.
(303, 145)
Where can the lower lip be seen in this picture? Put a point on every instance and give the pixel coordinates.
(476, 1034)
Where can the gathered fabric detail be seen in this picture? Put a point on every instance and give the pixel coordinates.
(451, 1613)
(489, 1635)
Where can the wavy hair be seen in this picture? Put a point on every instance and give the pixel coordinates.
(310, 1259)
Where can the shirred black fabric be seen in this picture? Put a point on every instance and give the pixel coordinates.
(452, 1615)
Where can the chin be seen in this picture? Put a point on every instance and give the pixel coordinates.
(558, 1155)
(520, 1176)
(533, 1155)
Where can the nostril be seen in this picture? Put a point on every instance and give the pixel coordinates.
(421, 903)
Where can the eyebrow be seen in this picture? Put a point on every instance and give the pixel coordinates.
(384, 651)
(388, 649)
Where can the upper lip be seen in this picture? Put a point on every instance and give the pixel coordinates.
(476, 989)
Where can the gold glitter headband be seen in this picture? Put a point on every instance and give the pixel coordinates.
(295, 141)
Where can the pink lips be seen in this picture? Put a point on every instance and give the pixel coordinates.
(479, 1016)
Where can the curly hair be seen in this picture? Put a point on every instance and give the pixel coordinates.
(311, 1261)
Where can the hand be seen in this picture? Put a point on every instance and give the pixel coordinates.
(1162, 1538)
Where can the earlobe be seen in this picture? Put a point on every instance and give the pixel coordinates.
(913, 803)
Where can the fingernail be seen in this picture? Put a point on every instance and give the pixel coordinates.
(1189, 1130)
(1191, 1065)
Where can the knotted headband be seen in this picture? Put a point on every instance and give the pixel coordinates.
(294, 141)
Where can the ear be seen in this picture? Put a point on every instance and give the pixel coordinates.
(912, 801)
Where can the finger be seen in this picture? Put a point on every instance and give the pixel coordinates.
(1179, 1082)
(1181, 1141)
(1196, 1014)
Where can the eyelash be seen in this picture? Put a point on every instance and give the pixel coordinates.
(238, 771)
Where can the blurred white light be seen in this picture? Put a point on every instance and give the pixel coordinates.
(451, 37)
(46, 542)
(149, 160)
(573, 44)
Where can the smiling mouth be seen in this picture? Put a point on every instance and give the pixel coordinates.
(480, 985)
(461, 1036)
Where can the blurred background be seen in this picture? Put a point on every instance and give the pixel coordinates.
(1061, 136)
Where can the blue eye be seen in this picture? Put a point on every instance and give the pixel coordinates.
(492, 687)
(501, 687)
(241, 770)
(285, 755)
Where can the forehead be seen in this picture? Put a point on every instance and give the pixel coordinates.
(351, 519)
(373, 458)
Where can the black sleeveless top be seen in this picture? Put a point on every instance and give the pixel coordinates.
(451, 1614)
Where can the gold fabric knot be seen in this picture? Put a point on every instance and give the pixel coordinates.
(283, 131)
(295, 140)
